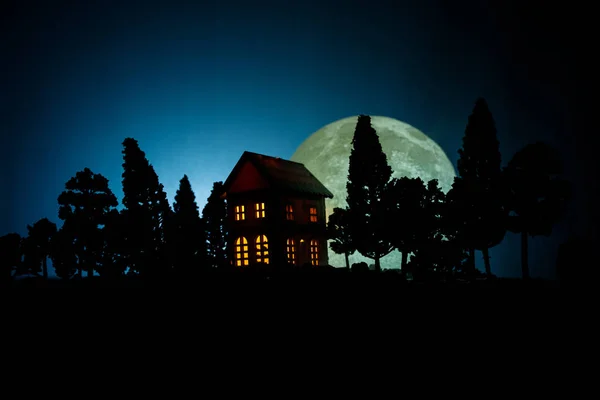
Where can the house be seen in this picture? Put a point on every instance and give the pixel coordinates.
(276, 213)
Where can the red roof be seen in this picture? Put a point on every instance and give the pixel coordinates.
(281, 174)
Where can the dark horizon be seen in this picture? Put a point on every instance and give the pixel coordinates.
(198, 85)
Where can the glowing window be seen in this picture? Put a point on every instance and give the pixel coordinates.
(291, 251)
(289, 212)
(314, 252)
(313, 214)
(241, 252)
(260, 210)
(240, 213)
(262, 249)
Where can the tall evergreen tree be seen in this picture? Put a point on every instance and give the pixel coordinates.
(214, 217)
(368, 176)
(189, 236)
(41, 234)
(537, 194)
(84, 207)
(482, 188)
(148, 213)
(339, 234)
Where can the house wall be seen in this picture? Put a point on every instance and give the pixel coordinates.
(276, 227)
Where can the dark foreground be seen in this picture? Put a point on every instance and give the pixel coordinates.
(388, 281)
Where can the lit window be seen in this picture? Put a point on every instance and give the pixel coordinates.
(241, 251)
(313, 214)
(262, 249)
(289, 212)
(314, 252)
(260, 210)
(291, 251)
(240, 213)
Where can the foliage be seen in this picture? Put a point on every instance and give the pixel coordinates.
(148, 213)
(84, 207)
(405, 210)
(537, 194)
(189, 247)
(339, 233)
(214, 217)
(368, 176)
(62, 253)
(40, 235)
(479, 192)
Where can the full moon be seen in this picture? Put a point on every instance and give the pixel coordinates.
(409, 152)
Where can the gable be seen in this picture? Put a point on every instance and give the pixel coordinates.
(248, 178)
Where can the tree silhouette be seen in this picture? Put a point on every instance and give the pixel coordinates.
(148, 213)
(112, 264)
(479, 168)
(62, 254)
(189, 243)
(432, 255)
(537, 194)
(10, 255)
(452, 248)
(32, 260)
(368, 176)
(84, 206)
(339, 234)
(214, 217)
(405, 198)
(40, 235)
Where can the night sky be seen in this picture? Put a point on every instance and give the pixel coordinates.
(197, 85)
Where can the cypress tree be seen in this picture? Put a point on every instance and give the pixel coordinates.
(147, 213)
(190, 244)
(482, 196)
(214, 218)
(368, 177)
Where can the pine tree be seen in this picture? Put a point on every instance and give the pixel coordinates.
(189, 240)
(368, 176)
(214, 217)
(482, 197)
(84, 207)
(148, 213)
(339, 234)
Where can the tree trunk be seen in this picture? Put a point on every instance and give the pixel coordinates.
(347, 260)
(486, 260)
(404, 261)
(524, 256)
(377, 264)
(45, 267)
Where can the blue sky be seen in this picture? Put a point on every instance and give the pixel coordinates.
(197, 85)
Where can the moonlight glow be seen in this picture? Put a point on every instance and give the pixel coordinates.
(409, 152)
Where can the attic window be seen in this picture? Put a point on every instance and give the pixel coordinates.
(289, 212)
(260, 210)
(240, 213)
(313, 214)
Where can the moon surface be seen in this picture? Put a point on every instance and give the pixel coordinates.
(409, 152)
